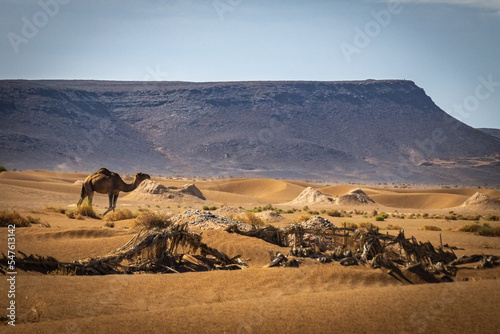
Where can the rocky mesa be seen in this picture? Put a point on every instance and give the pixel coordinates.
(373, 130)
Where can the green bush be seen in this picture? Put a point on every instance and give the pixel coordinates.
(3, 169)
(380, 218)
(209, 208)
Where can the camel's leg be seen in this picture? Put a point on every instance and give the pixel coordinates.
(114, 201)
(110, 207)
(91, 197)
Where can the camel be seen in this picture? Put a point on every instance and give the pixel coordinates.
(106, 182)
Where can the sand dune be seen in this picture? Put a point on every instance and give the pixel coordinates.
(419, 200)
(312, 298)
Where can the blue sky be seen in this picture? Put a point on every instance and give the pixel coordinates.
(450, 48)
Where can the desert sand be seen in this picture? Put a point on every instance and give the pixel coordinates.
(314, 298)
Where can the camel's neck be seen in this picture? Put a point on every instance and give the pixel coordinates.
(128, 187)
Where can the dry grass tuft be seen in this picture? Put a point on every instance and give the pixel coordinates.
(368, 226)
(251, 219)
(429, 228)
(56, 209)
(149, 220)
(393, 227)
(13, 218)
(81, 211)
(120, 214)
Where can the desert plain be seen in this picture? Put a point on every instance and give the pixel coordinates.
(313, 298)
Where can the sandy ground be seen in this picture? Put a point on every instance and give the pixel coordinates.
(315, 298)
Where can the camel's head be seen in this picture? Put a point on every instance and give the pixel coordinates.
(141, 177)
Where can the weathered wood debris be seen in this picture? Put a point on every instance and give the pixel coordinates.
(159, 250)
(352, 246)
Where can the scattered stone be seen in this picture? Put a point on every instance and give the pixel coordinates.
(205, 220)
(316, 222)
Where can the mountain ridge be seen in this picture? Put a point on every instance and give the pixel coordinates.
(372, 129)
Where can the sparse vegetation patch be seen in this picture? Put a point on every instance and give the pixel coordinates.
(120, 214)
(14, 218)
(251, 219)
(429, 228)
(149, 220)
(484, 229)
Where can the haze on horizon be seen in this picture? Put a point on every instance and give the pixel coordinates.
(448, 47)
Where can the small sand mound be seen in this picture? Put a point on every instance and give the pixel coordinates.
(480, 200)
(311, 196)
(151, 187)
(354, 197)
(152, 190)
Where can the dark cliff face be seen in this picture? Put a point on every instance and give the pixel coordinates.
(367, 129)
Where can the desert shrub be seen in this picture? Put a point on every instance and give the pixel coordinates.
(425, 215)
(109, 224)
(303, 217)
(86, 211)
(489, 231)
(149, 220)
(350, 224)
(268, 207)
(380, 218)
(334, 213)
(311, 212)
(3, 169)
(490, 217)
(368, 226)
(14, 218)
(251, 219)
(471, 227)
(290, 211)
(305, 208)
(393, 227)
(484, 229)
(209, 208)
(429, 228)
(450, 217)
(121, 214)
